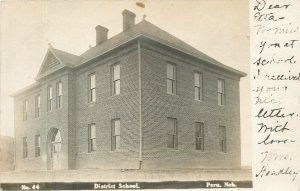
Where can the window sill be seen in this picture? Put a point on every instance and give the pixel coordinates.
(172, 94)
(92, 152)
(200, 151)
(115, 95)
(198, 100)
(116, 151)
(91, 104)
(173, 150)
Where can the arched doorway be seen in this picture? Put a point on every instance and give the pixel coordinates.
(54, 149)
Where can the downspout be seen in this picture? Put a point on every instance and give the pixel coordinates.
(140, 104)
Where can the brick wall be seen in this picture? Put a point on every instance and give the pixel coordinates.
(158, 106)
(106, 108)
(42, 125)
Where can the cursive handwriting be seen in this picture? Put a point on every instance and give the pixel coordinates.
(273, 156)
(273, 113)
(288, 171)
(261, 5)
(277, 128)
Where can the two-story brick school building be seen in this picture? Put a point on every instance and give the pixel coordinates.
(141, 99)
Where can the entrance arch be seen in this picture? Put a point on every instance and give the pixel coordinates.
(54, 149)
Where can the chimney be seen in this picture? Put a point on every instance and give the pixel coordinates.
(101, 34)
(128, 19)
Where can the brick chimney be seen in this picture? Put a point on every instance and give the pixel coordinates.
(128, 19)
(101, 34)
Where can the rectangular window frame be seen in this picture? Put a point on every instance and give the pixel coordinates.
(172, 80)
(25, 110)
(115, 145)
(222, 138)
(172, 136)
(198, 87)
(199, 135)
(37, 145)
(37, 105)
(59, 95)
(92, 89)
(116, 90)
(50, 98)
(25, 149)
(221, 92)
(92, 139)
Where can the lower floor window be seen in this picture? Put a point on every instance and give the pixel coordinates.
(116, 135)
(25, 154)
(199, 136)
(222, 135)
(172, 133)
(92, 138)
(37, 145)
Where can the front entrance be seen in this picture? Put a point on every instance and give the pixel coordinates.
(54, 153)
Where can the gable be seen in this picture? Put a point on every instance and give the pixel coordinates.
(50, 62)
(55, 60)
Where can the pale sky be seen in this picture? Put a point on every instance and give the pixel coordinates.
(219, 28)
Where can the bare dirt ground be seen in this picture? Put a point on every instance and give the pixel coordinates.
(94, 175)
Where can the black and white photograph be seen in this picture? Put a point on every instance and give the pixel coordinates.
(100, 95)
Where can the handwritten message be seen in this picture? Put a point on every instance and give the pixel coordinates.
(276, 90)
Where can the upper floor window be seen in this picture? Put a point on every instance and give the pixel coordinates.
(172, 134)
(50, 98)
(116, 79)
(25, 154)
(221, 92)
(198, 85)
(222, 138)
(37, 105)
(25, 110)
(171, 78)
(116, 135)
(59, 94)
(92, 137)
(199, 133)
(37, 146)
(92, 87)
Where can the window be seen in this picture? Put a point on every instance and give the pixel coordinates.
(172, 133)
(25, 147)
(198, 85)
(221, 92)
(199, 136)
(222, 135)
(37, 105)
(92, 137)
(59, 95)
(25, 110)
(171, 78)
(50, 98)
(92, 88)
(116, 135)
(116, 79)
(37, 146)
